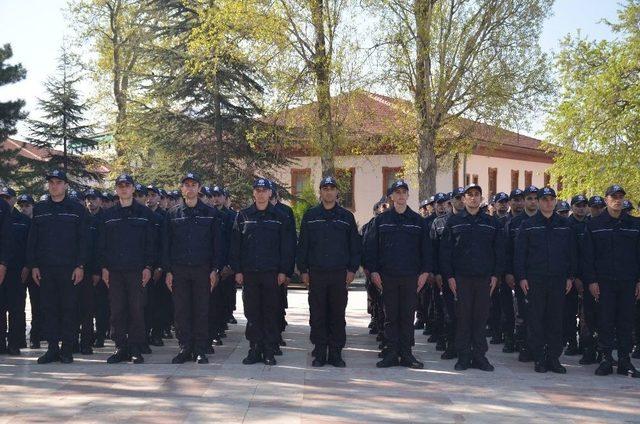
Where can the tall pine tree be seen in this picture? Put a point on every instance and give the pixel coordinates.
(64, 125)
(10, 113)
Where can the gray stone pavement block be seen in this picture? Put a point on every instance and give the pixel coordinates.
(223, 391)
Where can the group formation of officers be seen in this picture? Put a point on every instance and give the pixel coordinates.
(147, 260)
(534, 273)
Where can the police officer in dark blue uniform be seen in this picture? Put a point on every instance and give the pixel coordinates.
(399, 256)
(25, 204)
(13, 289)
(471, 259)
(545, 263)
(261, 256)
(328, 256)
(596, 206)
(127, 254)
(192, 255)
(57, 254)
(612, 270)
(496, 315)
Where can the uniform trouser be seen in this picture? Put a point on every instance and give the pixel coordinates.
(150, 307)
(261, 296)
(371, 289)
(521, 317)
(86, 310)
(163, 312)
(35, 335)
(544, 320)
(327, 305)
(472, 312)
(448, 314)
(495, 313)
(399, 297)
(59, 305)
(636, 326)
(127, 299)
(508, 317)
(439, 315)
(424, 296)
(615, 316)
(570, 318)
(380, 315)
(12, 303)
(589, 323)
(191, 289)
(284, 304)
(228, 297)
(102, 310)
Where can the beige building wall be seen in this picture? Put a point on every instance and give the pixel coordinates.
(479, 165)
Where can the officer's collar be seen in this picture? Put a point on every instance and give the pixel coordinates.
(608, 217)
(540, 217)
(254, 208)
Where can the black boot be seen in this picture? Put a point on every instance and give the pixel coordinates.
(463, 363)
(269, 358)
(572, 349)
(66, 353)
(51, 355)
(120, 355)
(183, 356)
(509, 345)
(481, 363)
(335, 358)
(409, 361)
(540, 367)
(554, 365)
(441, 345)
(136, 355)
(450, 352)
(525, 355)
(589, 356)
(625, 367)
(606, 366)
(201, 358)
(390, 359)
(320, 358)
(254, 356)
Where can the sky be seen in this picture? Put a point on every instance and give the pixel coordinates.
(35, 29)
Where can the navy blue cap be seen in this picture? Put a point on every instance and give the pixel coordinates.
(546, 191)
(25, 198)
(191, 176)
(44, 197)
(627, 205)
(153, 188)
(56, 173)
(516, 192)
(205, 191)
(614, 189)
(563, 207)
(328, 181)
(262, 183)
(531, 190)
(576, 200)
(440, 197)
(163, 192)
(457, 192)
(107, 196)
(125, 178)
(596, 201)
(175, 194)
(501, 197)
(399, 184)
(74, 195)
(141, 189)
(92, 192)
(471, 187)
(431, 200)
(424, 203)
(216, 190)
(226, 192)
(7, 191)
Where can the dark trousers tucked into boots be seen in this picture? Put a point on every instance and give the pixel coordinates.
(399, 306)
(59, 305)
(472, 312)
(86, 311)
(262, 296)
(615, 316)
(102, 312)
(191, 288)
(545, 317)
(126, 295)
(508, 317)
(327, 305)
(12, 304)
(35, 334)
(570, 318)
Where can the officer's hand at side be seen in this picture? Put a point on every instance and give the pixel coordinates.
(594, 288)
(510, 280)
(77, 275)
(95, 279)
(146, 276)
(579, 286)
(493, 284)
(524, 285)
(157, 274)
(422, 280)
(35, 273)
(350, 277)
(105, 276)
(377, 280)
(24, 275)
(638, 291)
(168, 281)
(281, 279)
(239, 279)
(305, 278)
(3, 273)
(213, 279)
(569, 286)
(453, 286)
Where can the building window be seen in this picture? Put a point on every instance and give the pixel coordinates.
(515, 177)
(389, 175)
(547, 179)
(346, 182)
(528, 178)
(299, 179)
(493, 181)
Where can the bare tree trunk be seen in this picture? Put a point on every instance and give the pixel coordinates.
(322, 63)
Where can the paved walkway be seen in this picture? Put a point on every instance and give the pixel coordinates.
(89, 390)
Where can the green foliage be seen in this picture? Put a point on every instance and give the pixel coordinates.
(594, 127)
(307, 199)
